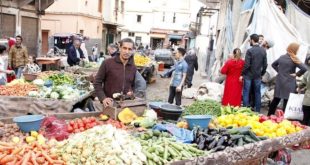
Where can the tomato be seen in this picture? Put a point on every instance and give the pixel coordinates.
(71, 122)
(81, 125)
(92, 119)
(82, 129)
(75, 126)
(76, 131)
(70, 129)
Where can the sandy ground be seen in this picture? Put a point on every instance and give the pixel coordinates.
(159, 91)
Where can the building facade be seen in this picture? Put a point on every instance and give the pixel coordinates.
(22, 17)
(157, 23)
(71, 16)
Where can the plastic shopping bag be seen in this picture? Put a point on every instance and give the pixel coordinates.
(293, 108)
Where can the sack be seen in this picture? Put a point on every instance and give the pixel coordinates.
(293, 108)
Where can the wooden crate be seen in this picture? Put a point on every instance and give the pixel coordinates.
(137, 106)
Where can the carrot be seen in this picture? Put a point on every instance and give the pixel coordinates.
(33, 158)
(16, 150)
(53, 156)
(6, 159)
(19, 162)
(26, 158)
(46, 163)
(2, 148)
(2, 156)
(58, 162)
(48, 158)
(40, 160)
(13, 162)
(5, 144)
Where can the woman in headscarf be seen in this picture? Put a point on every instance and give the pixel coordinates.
(233, 86)
(286, 66)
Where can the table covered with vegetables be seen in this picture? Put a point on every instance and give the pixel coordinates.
(233, 136)
(51, 91)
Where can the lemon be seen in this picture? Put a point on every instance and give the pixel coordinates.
(30, 139)
(34, 134)
(41, 139)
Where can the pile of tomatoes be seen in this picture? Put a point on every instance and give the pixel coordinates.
(80, 125)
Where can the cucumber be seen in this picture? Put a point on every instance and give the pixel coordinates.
(236, 137)
(240, 142)
(262, 137)
(244, 130)
(253, 136)
(233, 131)
(248, 139)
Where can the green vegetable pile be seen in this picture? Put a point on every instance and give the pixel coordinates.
(208, 107)
(227, 110)
(161, 148)
(61, 78)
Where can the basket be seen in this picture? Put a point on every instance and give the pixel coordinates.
(30, 77)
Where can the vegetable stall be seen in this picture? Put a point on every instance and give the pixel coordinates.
(49, 92)
(234, 136)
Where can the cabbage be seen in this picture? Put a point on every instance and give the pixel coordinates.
(147, 123)
(54, 95)
(150, 114)
(38, 82)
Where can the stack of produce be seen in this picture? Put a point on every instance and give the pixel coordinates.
(227, 110)
(101, 145)
(24, 154)
(46, 74)
(21, 89)
(218, 139)
(160, 148)
(91, 65)
(207, 107)
(80, 125)
(141, 60)
(61, 79)
(266, 128)
(10, 131)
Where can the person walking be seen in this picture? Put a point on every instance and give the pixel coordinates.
(233, 86)
(3, 66)
(192, 62)
(178, 77)
(18, 57)
(75, 54)
(254, 68)
(94, 55)
(286, 66)
(113, 50)
(305, 85)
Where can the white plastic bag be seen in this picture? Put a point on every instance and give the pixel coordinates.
(293, 108)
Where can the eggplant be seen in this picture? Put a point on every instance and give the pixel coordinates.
(212, 144)
(221, 141)
(201, 144)
(218, 148)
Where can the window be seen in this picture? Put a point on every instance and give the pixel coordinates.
(131, 34)
(100, 6)
(82, 32)
(122, 6)
(173, 21)
(164, 16)
(139, 17)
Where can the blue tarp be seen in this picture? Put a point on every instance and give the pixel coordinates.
(181, 134)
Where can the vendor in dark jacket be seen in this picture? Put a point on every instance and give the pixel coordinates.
(254, 68)
(116, 74)
(75, 54)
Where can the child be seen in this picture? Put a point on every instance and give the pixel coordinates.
(178, 77)
(31, 67)
(4, 65)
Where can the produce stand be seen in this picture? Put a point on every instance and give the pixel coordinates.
(254, 153)
(14, 106)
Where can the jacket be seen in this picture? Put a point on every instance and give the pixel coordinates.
(18, 56)
(285, 83)
(113, 77)
(255, 63)
(192, 63)
(305, 82)
(72, 56)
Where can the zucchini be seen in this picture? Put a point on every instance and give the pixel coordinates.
(253, 136)
(248, 139)
(262, 137)
(244, 130)
(233, 131)
(240, 142)
(236, 137)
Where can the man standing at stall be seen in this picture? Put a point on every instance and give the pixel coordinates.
(75, 53)
(18, 56)
(116, 74)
